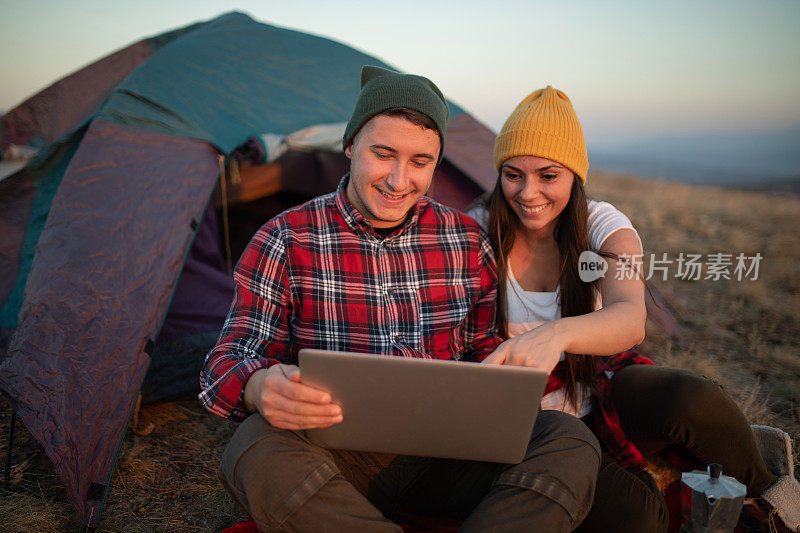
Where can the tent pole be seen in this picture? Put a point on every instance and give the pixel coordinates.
(225, 221)
(8, 449)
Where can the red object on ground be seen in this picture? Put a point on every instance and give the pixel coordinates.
(243, 526)
(672, 497)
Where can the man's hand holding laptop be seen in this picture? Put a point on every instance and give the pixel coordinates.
(277, 394)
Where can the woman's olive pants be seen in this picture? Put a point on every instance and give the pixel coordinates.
(660, 407)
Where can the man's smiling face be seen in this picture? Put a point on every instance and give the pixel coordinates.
(391, 166)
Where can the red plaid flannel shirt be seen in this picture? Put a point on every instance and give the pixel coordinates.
(318, 276)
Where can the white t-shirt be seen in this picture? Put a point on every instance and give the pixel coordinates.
(529, 309)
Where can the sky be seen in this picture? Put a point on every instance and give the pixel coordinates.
(632, 69)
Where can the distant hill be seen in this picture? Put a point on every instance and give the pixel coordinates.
(754, 159)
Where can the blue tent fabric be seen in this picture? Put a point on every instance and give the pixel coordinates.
(233, 77)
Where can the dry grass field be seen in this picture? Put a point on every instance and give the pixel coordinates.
(745, 334)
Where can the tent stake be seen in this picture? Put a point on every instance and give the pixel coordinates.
(8, 449)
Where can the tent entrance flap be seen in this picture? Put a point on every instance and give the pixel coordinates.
(99, 286)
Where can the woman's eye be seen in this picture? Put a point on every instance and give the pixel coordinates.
(511, 176)
(549, 177)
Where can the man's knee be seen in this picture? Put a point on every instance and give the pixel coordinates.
(561, 464)
(273, 472)
(553, 425)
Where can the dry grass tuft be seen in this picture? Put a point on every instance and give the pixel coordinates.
(31, 513)
(164, 481)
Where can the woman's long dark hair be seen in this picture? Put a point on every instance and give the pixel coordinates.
(576, 297)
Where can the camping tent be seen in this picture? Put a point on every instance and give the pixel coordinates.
(110, 260)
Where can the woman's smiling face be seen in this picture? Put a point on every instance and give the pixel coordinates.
(537, 190)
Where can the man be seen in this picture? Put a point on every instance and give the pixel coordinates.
(375, 267)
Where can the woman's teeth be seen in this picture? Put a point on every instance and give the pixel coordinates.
(533, 210)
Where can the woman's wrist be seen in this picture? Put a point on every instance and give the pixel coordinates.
(562, 333)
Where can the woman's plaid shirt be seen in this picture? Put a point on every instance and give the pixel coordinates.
(317, 276)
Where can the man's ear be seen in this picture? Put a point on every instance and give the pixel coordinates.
(348, 150)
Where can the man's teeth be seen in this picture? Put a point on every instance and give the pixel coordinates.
(534, 210)
(391, 196)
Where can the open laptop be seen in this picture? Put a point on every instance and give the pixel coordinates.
(426, 407)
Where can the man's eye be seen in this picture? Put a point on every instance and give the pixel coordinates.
(419, 164)
(380, 155)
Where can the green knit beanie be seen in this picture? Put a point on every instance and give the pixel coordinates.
(383, 89)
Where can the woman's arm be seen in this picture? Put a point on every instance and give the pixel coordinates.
(619, 325)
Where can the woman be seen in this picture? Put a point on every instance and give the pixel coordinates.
(539, 222)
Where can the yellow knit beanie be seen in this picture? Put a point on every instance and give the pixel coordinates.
(544, 125)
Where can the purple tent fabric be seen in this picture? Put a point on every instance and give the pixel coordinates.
(106, 265)
(198, 309)
(205, 290)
